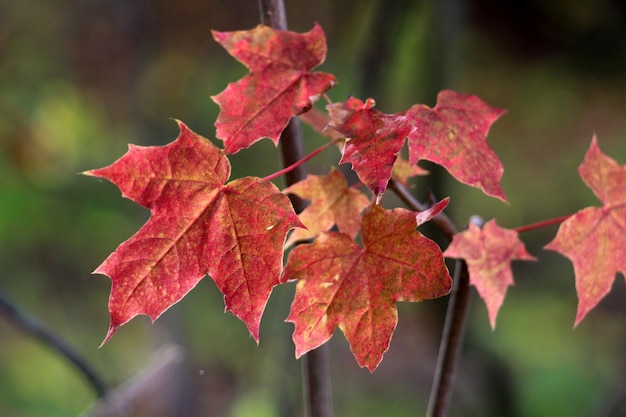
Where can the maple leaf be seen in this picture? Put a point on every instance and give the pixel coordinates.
(356, 288)
(488, 253)
(278, 86)
(198, 225)
(453, 135)
(375, 139)
(332, 203)
(594, 238)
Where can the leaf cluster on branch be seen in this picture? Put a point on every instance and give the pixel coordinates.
(352, 258)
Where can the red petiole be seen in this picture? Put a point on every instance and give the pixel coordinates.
(543, 223)
(302, 161)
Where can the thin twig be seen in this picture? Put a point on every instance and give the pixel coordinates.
(315, 364)
(152, 391)
(35, 328)
(543, 223)
(296, 164)
(451, 341)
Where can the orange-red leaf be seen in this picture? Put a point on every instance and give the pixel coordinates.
(356, 288)
(453, 135)
(488, 253)
(198, 225)
(594, 239)
(278, 86)
(332, 203)
(375, 139)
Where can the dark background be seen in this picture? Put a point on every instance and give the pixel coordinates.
(81, 79)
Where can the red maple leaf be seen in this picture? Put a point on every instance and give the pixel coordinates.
(453, 135)
(356, 288)
(278, 86)
(375, 139)
(198, 225)
(332, 203)
(488, 253)
(594, 238)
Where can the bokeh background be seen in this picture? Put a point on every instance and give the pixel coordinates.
(81, 79)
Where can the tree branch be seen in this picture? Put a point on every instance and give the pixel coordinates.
(33, 327)
(315, 364)
(451, 341)
(150, 392)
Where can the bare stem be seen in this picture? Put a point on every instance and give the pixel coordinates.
(316, 378)
(451, 341)
(301, 161)
(38, 330)
(273, 14)
(543, 223)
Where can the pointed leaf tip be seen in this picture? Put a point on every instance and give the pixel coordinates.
(426, 215)
(112, 330)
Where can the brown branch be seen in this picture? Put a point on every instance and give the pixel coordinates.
(457, 305)
(151, 392)
(315, 364)
(35, 328)
(451, 341)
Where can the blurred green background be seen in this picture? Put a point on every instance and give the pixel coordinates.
(80, 80)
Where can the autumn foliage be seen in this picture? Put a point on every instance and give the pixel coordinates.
(352, 259)
(279, 86)
(198, 225)
(594, 239)
(488, 252)
(341, 283)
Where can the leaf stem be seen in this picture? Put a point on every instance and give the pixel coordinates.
(316, 379)
(301, 161)
(38, 330)
(451, 341)
(543, 223)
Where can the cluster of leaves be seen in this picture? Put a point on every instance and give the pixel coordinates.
(358, 259)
